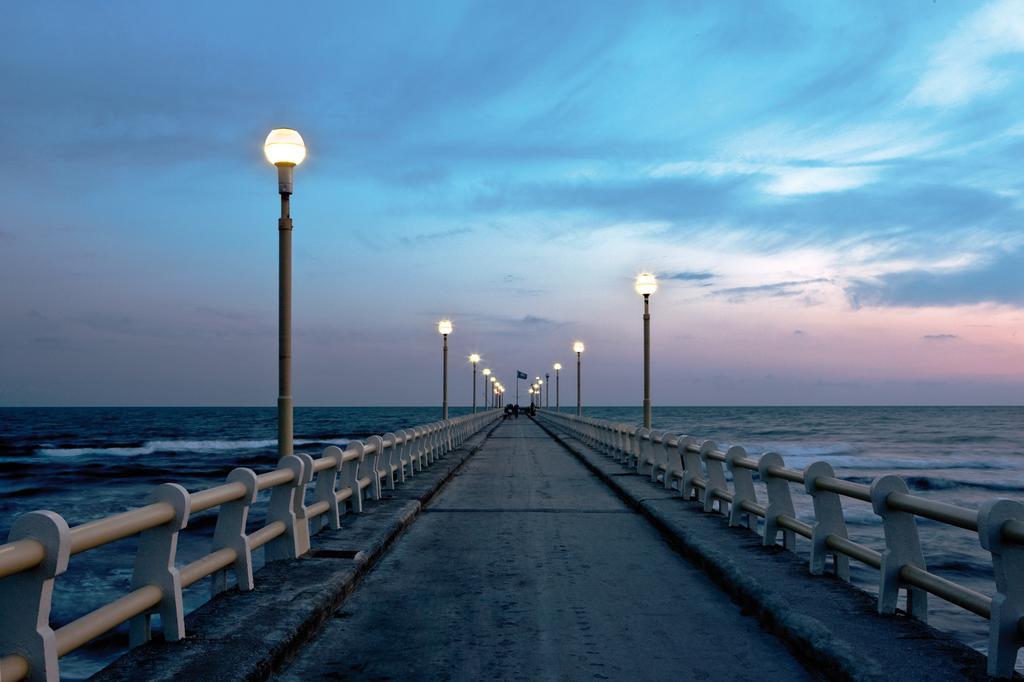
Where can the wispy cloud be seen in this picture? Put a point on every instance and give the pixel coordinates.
(688, 275)
(939, 337)
(966, 64)
(790, 289)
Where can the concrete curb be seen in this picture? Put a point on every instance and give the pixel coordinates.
(727, 557)
(251, 635)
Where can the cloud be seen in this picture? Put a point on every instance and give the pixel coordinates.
(940, 337)
(435, 236)
(781, 179)
(774, 290)
(816, 180)
(687, 276)
(799, 332)
(965, 65)
(995, 280)
(536, 321)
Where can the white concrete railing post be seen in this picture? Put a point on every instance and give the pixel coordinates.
(325, 490)
(350, 475)
(403, 454)
(373, 461)
(828, 520)
(154, 565)
(692, 473)
(390, 457)
(676, 469)
(780, 502)
(1004, 638)
(902, 548)
(28, 595)
(743, 489)
(643, 458)
(229, 533)
(657, 454)
(715, 482)
(287, 505)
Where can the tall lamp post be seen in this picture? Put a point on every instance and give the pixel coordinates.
(285, 149)
(444, 328)
(487, 376)
(491, 387)
(540, 392)
(547, 391)
(558, 386)
(646, 284)
(473, 359)
(578, 348)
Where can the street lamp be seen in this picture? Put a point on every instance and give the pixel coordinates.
(285, 149)
(558, 386)
(578, 348)
(486, 373)
(473, 359)
(494, 384)
(646, 284)
(547, 391)
(540, 392)
(444, 328)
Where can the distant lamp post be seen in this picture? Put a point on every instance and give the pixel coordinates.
(547, 391)
(540, 392)
(444, 328)
(493, 385)
(486, 373)
(473, 359)
(558, 402)
(578, 348)
(646, 284)
(285, 149)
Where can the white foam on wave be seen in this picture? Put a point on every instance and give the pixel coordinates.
(154, 446)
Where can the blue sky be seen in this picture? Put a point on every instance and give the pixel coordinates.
(830, 192)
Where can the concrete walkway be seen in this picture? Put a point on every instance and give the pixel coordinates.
(527, 567)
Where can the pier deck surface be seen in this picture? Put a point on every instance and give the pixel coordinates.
(526, 566)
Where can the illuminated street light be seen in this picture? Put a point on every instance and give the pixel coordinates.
(646, 284)
(558, 386)
(486, 373)
(578, 348)
(444, 328)
(473, 359)
(285, 149)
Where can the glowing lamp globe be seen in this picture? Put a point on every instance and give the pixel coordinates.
(557, 366)
(487, 371)
(578, 347)
(284, 147)
(646, 284)
(493, 380)
(444, 327)
(474, 358)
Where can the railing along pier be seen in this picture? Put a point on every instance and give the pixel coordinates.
(41, 544)
(697, 468)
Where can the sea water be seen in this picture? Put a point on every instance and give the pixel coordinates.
(86, 463)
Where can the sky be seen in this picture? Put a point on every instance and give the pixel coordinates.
(829, 192)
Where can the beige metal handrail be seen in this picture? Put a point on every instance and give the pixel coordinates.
(888, 496)
(382, 458)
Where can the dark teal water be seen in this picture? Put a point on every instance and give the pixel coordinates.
(85, 463)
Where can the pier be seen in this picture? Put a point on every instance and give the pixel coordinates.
(553, 547)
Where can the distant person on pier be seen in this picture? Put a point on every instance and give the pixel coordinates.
(508, 412)
(515, 410)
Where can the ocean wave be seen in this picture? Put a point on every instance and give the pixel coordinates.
(154, 446)
(892, 464)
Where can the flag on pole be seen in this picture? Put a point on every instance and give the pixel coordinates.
(521, 375)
